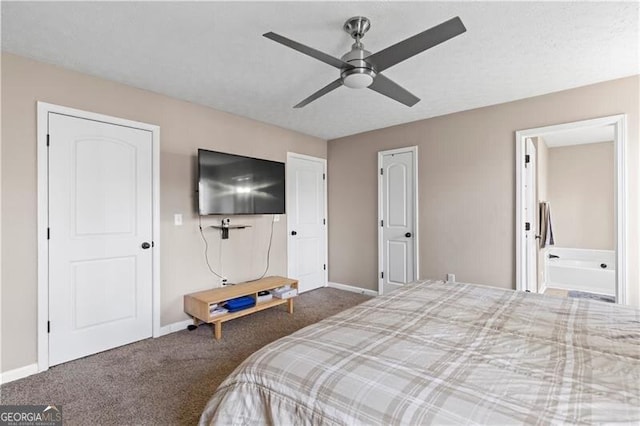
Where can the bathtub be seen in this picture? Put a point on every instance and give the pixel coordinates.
(581, 269)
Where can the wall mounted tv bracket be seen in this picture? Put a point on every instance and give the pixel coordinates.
(225, 225)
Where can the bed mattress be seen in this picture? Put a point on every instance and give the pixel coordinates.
(434, 352)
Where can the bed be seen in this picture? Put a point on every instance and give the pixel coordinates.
(434, 353)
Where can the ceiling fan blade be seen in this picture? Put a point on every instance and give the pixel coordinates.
(309, 51)
(384, 86)
(326, 89)
(418, 43)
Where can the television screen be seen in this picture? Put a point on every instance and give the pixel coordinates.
(232, 184)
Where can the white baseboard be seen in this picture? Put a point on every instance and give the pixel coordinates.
(18, 373)
(176, 326)
(352, 289)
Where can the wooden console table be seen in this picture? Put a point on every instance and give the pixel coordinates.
(198, 304)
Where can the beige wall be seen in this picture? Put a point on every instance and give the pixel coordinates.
(467, 185)
(581, 195)
(184, 128)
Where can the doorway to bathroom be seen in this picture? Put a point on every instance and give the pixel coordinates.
(570, 209)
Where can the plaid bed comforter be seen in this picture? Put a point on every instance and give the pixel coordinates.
(433, 353)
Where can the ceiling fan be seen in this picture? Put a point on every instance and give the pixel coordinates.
(359, 68)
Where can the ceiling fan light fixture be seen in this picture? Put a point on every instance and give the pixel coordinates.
(358, 78)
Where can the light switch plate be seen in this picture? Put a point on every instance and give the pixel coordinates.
(276, 218)
(177, 219)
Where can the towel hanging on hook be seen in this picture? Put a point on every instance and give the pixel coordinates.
(546, 230)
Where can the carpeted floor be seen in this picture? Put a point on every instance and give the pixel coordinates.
(170, 379)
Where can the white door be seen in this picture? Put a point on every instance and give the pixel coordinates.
(397, 215)
(306, 221)
(531, 214)
(100, 221)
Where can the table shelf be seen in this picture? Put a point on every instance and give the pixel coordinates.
(198, 304)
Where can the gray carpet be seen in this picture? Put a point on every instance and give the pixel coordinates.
(170, 379)
(592, 296)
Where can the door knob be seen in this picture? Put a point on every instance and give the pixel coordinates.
(408, 235)
(294, 233)
(146, 245)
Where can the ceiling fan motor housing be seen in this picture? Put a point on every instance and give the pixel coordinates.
(362, 74)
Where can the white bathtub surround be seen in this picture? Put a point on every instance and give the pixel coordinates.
(581, 269)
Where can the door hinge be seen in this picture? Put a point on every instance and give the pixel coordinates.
(324, 176)
(381, 171)
(324, 267)
(324, 221)
(47, 140)
(48, 326)
(527, 226)
(48, 233)
(381, 274)
(153, 244)
(527, 159)
(382, 223)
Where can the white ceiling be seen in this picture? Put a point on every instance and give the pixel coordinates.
(214, 53)
(580, 136)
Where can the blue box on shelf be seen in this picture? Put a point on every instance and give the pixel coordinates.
(240, 303)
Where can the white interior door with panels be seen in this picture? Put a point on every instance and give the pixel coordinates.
(100, 230)
(306, 220)
(397, 218)
(531, 217)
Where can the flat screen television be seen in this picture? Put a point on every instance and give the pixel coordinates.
(231, 184)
